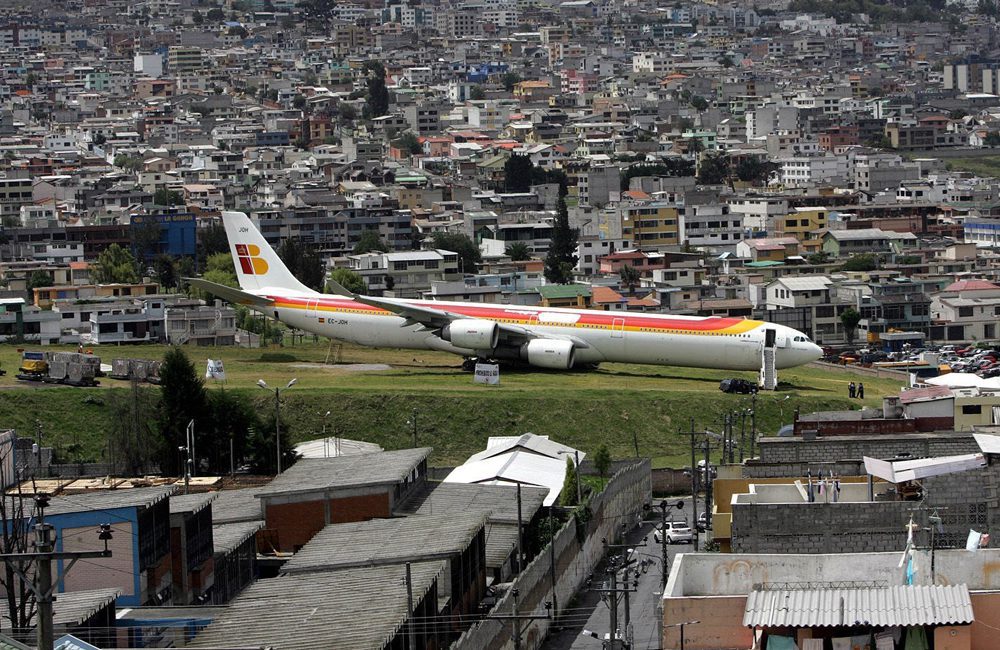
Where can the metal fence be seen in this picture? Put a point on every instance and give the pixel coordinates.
(578, 549)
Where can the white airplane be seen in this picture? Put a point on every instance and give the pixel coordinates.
(545, 337)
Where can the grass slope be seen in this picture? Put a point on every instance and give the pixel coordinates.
(616, 405)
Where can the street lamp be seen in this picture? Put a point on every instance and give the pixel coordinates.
(326, 442)
(277, 415)
(413, 424)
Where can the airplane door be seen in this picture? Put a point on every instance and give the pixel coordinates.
(770, 336)
(618, 328)
(781, 340)
(312, 309)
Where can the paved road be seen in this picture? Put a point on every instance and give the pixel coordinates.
(588, 612)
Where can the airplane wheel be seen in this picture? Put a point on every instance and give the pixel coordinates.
(469, 364)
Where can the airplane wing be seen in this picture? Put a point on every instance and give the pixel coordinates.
(435, 319)
(229, 293)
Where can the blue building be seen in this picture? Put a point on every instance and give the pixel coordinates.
(177, 234)
(140, 564)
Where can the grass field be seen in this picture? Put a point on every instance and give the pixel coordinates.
(620, 405)
(987, 166)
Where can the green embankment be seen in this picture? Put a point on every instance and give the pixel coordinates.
(616, 405)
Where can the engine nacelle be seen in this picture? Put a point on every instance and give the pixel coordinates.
(472, 334)
(550, 353)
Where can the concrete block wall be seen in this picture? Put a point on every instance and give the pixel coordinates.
(797, 470)
(838, 448)
(964, 501)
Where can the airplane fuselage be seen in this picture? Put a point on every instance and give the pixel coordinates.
(609, 336)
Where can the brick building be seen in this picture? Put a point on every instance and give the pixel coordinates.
(316, 492)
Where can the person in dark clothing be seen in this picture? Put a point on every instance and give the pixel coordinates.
(851, 390)
(861, 391)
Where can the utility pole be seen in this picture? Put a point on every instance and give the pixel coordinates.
(517, 617)
(743, 433)
(552, 564)
(694, 489)
(277, 417)
(663, 540)
(520, 532)
(411, 633)
(708, 490)
(626, 632)
(613, 594)
(753, 424)
(41, 584)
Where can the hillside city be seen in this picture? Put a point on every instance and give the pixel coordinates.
(830, 167)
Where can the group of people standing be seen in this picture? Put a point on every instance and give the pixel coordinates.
(856, 391)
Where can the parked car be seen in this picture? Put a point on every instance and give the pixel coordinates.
(678, 532)
(737, 386)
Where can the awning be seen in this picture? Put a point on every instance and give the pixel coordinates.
(898, 605)
(901, 471)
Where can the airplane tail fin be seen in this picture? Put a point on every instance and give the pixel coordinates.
(257, 265)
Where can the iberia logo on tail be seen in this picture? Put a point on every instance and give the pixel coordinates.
(250, 261)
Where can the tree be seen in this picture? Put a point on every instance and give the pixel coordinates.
(568, 495)
(219, 268)
(714, 169)
(699, 103)
(16, 525)
(231, 417)
(145, 236)
(216, 15)
(992, 139)
(378, 95)
(261, 449)
(468, 252)
(850, 318)
(477, 93)
(561, 257)
(115, 265)
(40, 279)
(862, 262)
(128, 163)
(299, 102)
(348, 279)
(509, 80)
(317, 10)
(602, 461)
(182, 398)
(629, 277)
(211, 240)
(164, 196)
(369, 241)
(670, 168)
(304, 262)
(822, 257)
(755, 170)
(408, 141)
(518, 252)
(517, 173)
(197, 18)
(165, 270)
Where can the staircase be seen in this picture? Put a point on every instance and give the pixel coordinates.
(768, 379)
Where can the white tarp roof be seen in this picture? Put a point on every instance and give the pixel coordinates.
(988, 443)
(910, 470)
(956, 380)
(540, 445)
(512, 468)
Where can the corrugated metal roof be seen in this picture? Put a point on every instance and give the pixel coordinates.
(512, 468)
(497, 502)
(226, 537)
(896, 605)
(910, 470)
(74, 607)
(355, 609)
(314, 474)
(192, 503)
(232, 506)
(387, 541)
(108, 500)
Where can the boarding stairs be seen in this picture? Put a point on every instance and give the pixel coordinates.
(768, 378)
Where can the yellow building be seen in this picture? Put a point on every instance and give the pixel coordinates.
(800, 222)
(651, 224)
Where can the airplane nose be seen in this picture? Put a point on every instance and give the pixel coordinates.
(815, 352)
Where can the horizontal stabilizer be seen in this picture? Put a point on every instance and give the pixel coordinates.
(230, 294)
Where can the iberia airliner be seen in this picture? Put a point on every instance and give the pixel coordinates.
(545, 337)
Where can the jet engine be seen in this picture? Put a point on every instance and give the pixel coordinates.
(472, 334)
(549, 353)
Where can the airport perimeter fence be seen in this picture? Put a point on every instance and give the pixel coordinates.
(578, 549)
